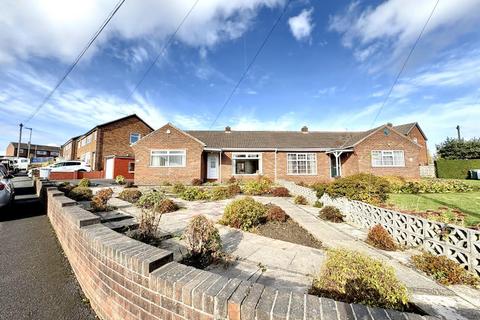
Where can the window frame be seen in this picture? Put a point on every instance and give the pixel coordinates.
(383, 165)
(235, 158)
(128, 167)
(135, 133)
(184, 158)
(306, 160)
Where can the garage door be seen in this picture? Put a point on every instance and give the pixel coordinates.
(109, 166)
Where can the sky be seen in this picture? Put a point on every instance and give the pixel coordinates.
(328, 65)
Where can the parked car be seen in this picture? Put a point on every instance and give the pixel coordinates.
(7, 192)
(8, 164)
(65, 166)
(21, 164)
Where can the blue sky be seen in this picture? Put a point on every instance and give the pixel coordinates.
(328, 65)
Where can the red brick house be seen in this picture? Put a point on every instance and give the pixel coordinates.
(171, 154)
(107, 140)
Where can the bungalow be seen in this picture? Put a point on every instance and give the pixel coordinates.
(171, 154)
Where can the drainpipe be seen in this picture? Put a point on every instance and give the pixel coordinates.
(220, 166)
(275, 166)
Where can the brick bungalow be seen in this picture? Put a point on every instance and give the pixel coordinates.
(171, 154)
(110, 139)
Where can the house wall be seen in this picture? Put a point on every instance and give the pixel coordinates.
(69, 150)
(394, 141)
(415, 133)
(160, 139)
(91, 148)
(11, 151)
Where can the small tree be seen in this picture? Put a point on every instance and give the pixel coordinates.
(459, 149)
(203, 241)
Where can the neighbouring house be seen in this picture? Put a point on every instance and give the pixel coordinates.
(107, 141)
(171, 154)
(36, 151)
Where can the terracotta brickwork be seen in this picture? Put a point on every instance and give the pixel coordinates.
(69, 150)
(129, 280)
(10, 152)
(323, 168)
(161, 140)
(84, 148)
(416, 134)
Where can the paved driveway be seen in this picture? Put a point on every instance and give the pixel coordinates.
(36, 281)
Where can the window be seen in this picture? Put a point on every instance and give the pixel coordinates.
(388, 158)
(54, 153)
(247, 163)
(41, 153)
(89, 139)
(134, 137)
(301, 163)
(167, 158)
(95, 135)
(131, 166)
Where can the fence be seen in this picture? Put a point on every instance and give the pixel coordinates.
(427, 171)
(459, 244)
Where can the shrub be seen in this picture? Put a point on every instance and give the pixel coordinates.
(193, 193)
(434, 186)
(379, 237)
(131, 195)
(444, 270)
(66, 187)
(196, 182)
(455, 169)
(275, 213)
(319, 188)
(203, 240)
(234, 189)
(167, 205)
(279, 192)
(331, 214)
(148, 226)
(166, 184)
(257, 187)
(300, 200)
(85, 183)
(150, 199)
(395, 183)
(232, 180)
(81, 194)
(352, 277)
(178, 188)
(100, 200)
(362, 187)
(220, 193)
(244, 213)
(120, 179)
(318, 204)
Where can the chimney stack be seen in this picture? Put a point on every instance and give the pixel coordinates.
(390, 124)
(228, 129)
(304, 129)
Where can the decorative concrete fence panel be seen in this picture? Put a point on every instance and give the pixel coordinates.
(427, 171)
(457, 243)
(297, 190)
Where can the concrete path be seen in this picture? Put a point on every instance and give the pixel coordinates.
(426, 293)
(36, 280)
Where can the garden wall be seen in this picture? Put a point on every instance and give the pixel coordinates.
(459, 244)
(455, 169)
(297, 190)
(126, 279)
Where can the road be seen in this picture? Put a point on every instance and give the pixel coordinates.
(36, 281)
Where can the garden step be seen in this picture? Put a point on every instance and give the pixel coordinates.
(112, 216)
(121, 225)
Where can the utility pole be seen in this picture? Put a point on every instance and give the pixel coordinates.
(458, 133)
(19, 141)
(29, 142)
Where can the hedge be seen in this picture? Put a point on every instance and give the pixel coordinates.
(455, 169)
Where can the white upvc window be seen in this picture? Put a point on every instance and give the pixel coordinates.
(301, 164)
(168, 158)
(388, 158)
(89, 139)
(134, 137)
(246, 163)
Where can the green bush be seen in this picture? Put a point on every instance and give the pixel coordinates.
(203, 241)
(352, 277)
(81, 194)
(131, 195)
(257, 187)
(219, 193)
(318, 204)
(444, 270)
(434, 186)
(331, 214)
(319, 188)
(362, 187)
(85, 183)
(244, 213)
(379, 237)
(150, 199)
(194, 193)
(120, 179)
(300, 200)
(178, 188)
(455, 169)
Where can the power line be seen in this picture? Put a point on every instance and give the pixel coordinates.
(77, 60)
(405, 63)
(251, 63)
(162, 51)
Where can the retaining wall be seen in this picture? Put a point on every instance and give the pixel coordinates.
(127, 279)
(297, 190)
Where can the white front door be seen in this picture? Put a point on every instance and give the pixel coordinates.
(212, 166)
(109, 164)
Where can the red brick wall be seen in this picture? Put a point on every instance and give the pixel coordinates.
(160, 139)
(10, 152)
(423, 157)
(394, 141)
(76, 175)
(121, 167)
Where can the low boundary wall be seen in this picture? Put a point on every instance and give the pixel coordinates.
(127, 279)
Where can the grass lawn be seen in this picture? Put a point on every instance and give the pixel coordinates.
(467, 202)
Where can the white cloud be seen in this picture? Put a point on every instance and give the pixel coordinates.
(302, 25)
(326, 92)
(60, 29)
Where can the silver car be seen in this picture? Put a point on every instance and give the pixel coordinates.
(7, 192)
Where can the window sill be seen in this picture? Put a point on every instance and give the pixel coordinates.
(388, 166)
(302, 174)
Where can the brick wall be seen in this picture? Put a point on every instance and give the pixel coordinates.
(10, 151)
(160, 139)
(88, 148)
(69, 150)
(126, 279)
(423, 157)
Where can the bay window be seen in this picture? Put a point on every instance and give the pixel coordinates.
(388, 158)
(247, 163)
(168, 158)
(301, 163)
